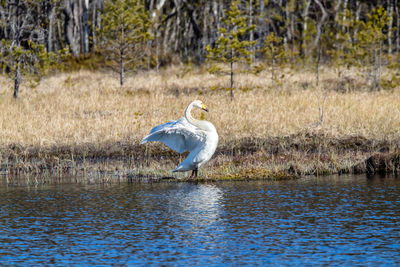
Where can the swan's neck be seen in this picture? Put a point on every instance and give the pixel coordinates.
(204, 125)
(192, 120)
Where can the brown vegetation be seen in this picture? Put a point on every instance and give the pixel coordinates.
(85, 122)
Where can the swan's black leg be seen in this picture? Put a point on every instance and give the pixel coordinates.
(194, 174)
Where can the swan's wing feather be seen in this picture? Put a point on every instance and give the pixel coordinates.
(163, 126)
(178, 135)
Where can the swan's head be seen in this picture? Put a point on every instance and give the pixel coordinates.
(200, 105)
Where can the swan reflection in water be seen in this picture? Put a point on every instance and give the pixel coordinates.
(195, 208)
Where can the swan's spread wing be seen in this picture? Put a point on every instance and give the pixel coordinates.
(178, 135)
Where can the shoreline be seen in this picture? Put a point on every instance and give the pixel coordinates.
(272, 158)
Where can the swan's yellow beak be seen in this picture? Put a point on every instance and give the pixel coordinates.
(203, 107)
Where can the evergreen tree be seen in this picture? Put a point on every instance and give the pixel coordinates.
(124, 33)
(31, 61)
(231, 46)
(371, 40)
(275, 54)
(20, 55)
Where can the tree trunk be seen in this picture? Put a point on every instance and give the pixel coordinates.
(50, 29)
(205, 25)
(318, 63)
(176, 28)
(69, 26)
(77, 29)
(157, 53)
(85, 27)
(320, 23)
(252, 56)
(165, 39)
(122, 70)
(218, 12)
(288, 23)
(97, 7)
(379, 68)
(261, 25)
(336, 11)
(17, 80)
(397, 25)
(344, 17)
(232, 82)
(3, 18)
(94, 12)
(272, 66)
(358, 12)
(291, 26)
(390, 25)
(148, 52)
(304, 17)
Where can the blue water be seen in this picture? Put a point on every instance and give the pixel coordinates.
(336, 220)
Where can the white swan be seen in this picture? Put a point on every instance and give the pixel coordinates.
(199, 137)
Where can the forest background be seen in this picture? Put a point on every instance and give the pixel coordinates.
(340, 33)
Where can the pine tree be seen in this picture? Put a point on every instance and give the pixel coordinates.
(231, 46)
(371, 40)
(31, 62)
(20, 55)
(124, 33)
(275, 54)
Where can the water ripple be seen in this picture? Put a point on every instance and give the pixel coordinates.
(335, 220)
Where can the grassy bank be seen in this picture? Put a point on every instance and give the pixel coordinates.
(84, 122)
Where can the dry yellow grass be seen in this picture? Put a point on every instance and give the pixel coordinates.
(71, 109)
(84, 107)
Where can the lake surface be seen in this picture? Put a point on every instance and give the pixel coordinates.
(336, 220)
